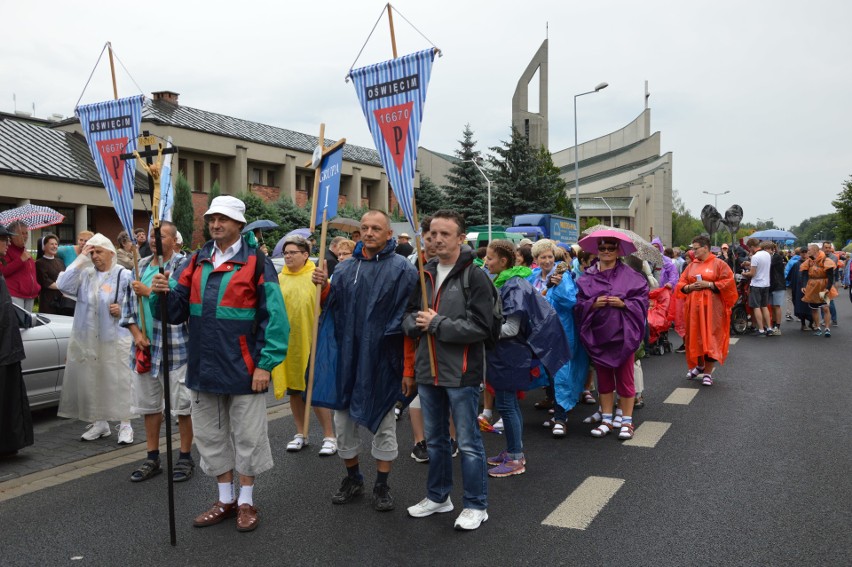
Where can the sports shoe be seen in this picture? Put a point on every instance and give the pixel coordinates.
(508, 468)
(96, 431)
(770, 332)
(471, 519)
(329, 446)
(382, 499)
(500, 459)
(681, 349)
(397, 410)
(498, 425)
(818, 332)
(827, 333)
(419, 453)
(776, 331)
(454, 447)
(299, 441)
(125, 434)
(789, 317)
(426, 508)
(349, 489)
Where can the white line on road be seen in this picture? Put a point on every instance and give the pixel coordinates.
(682, 396)
(583, 505)
(648, 434)
(733, 341)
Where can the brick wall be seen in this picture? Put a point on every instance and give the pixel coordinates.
(199, 205)
(301, 198)
(265, 192)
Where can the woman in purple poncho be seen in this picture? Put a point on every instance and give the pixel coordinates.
(612, 302)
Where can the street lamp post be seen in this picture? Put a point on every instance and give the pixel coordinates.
(488, 181)
(600, 87)
(716, 206)
(611, 223)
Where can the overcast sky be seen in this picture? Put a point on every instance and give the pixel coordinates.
(752, 97)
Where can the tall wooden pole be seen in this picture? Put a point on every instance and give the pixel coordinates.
(112, 71)
(420, 260)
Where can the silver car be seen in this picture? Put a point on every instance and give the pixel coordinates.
(45, 344)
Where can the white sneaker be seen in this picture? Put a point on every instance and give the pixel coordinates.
(499, 425)
(96, 431)
(329, 446)
(125, 434)
(426, 508)
(471, 519)
(297, 443)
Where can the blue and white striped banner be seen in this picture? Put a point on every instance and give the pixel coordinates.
(167, 191)
(392, 95)
(111, 129)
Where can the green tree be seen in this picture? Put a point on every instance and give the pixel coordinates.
(215, 191)
(818, 229)
(429, 197)
(685, 227)
(466, 191)
(843, 206)
(183, 212)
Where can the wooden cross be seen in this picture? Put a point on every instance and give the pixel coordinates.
(153, 169)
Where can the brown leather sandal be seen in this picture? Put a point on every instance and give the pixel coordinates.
(215, 515)
(626, 431)
(246, 518)
(603, 429)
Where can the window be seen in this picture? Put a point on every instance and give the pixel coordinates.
(214, 172)
(198, 169)
(182, 166)
(256, 175)
(270, 178)
(365, 190)
(309, 182)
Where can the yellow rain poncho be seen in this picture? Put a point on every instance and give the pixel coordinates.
(299, 298)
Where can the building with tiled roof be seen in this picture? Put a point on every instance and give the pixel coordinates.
(49, 163)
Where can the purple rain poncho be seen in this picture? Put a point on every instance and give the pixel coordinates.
(610, 334)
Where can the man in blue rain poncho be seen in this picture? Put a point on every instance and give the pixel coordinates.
(360, 352)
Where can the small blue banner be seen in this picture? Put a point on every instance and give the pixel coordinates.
(329, 184)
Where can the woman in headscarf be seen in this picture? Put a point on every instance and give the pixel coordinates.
(96, 386)
(710, 292)
(612, 304)
(289, 377)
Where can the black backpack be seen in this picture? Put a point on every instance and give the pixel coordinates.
(496, 311)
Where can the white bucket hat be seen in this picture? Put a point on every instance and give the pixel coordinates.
(229, 206)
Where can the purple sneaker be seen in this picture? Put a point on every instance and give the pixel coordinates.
(508, 468)
(498, 460)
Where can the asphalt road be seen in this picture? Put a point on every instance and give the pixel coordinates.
(752, 471)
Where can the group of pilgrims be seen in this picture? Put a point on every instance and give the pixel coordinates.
(569, 326)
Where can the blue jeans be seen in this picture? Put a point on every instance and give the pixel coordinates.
(833, 310)
(437, 402)
(513, 428)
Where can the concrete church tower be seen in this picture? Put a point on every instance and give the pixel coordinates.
(533, 125)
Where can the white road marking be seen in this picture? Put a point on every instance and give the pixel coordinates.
(583, 505)
(648, 434)
(733, 341)
(682, 396)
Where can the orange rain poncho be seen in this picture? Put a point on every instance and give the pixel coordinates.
(707, 314)
(817, 279)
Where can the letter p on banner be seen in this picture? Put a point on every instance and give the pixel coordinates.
(392, 95)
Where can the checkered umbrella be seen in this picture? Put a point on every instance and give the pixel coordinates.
(35, 216)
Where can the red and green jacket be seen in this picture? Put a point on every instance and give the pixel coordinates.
(221, 306)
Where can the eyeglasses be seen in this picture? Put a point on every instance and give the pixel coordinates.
(607, 248)
(293, 252)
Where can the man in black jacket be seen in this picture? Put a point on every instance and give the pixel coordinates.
(457, 323)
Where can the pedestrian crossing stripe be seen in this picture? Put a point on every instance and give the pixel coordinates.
(584, 504)
(648, 434)
(681, 396)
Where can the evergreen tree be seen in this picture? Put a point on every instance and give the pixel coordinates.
(215, 191)
(429, 197)
(466, 192)
(526, 181)
(183, 212)
(843, 205)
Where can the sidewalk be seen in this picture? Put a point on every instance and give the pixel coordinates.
(58, 448)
